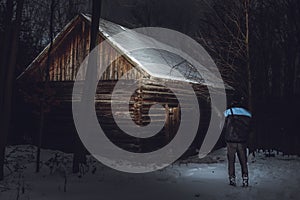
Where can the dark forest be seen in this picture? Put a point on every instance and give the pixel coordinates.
(255, 45)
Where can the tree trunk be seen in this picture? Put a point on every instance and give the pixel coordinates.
(2, 158)
(5, 51)
(95, 23)
(7, 76)
(252, 145)
(40, 138)
(79, 155)
(45, 76)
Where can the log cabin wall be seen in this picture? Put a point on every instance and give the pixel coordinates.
(67, 55)
(60, 132)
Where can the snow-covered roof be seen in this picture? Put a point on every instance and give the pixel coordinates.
(156, 62)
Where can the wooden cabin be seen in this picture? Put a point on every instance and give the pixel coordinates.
(71, 46)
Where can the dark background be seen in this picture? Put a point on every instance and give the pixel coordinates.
(263, 51)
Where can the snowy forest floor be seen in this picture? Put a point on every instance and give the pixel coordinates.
(270, 178)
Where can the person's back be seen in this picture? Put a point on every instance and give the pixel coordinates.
(237, 128)
(237, 124)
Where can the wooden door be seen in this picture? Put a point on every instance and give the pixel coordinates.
(172, 122)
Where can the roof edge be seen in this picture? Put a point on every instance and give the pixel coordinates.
(44, 51)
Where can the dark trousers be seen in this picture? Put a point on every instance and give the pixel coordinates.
(240, 149)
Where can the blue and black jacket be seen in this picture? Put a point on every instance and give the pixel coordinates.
(237, 125)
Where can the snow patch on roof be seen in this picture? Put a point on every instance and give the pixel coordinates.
(156, 62)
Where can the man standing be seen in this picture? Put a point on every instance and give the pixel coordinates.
(237, 128)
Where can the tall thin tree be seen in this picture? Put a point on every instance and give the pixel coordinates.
(79, 155)
(45, 79)
(7, 71)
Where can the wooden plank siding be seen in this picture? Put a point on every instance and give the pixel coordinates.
(71, 52)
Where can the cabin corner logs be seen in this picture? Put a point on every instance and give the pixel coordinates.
(69, 51)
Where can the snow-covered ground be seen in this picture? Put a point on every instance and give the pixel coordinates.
(270, 178)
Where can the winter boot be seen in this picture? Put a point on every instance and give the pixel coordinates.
(232, 181)
(245, 181)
